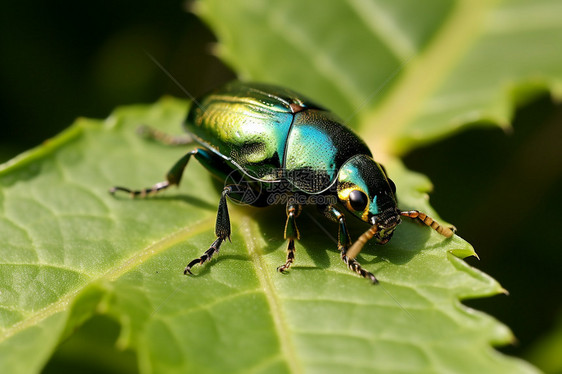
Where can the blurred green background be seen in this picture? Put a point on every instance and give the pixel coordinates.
(64, 59)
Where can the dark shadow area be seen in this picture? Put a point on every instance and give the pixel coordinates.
(271, 223)
(91, 349)
(319, 236)
(62, 60)
(408, 240)
(399, 250)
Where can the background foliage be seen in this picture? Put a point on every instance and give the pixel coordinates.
(506, 181)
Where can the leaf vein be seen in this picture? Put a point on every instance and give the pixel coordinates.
(276, 306)
(383, 27)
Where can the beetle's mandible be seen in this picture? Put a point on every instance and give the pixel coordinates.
(267, 143)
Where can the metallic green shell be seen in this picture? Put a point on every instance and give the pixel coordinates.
(273, 134)
(317, 146)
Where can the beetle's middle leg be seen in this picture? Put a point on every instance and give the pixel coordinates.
(344, 242)
(291, 233)
(222, 226)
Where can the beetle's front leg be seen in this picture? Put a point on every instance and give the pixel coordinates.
(222, 231)
(291, 233)
(344, 241)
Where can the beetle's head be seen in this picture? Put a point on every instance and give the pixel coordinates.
(366, 192)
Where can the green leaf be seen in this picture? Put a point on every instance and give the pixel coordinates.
(403, 72)
(70, 250)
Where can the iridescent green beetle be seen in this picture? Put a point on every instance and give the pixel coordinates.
(272, 145)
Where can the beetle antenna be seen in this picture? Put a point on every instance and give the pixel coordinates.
(428, 221)
(185, 91)
(356, 247)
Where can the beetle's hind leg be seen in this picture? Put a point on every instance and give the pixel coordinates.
(222, 231)
(291, 233)
(344, 242)
(141, 193)
(173, 176)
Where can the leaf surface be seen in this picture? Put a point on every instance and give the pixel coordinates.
(71, 250)
(402, 73)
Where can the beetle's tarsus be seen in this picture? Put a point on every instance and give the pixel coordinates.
(213, 249)
(113, 190)
(283, 268)
(291, 232)
(290, 257)
(353, 265)
(344, 243)
(141, 193)
(222, 230)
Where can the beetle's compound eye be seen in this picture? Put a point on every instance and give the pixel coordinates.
(358, 200)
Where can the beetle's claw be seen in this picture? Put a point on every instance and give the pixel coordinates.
(190, 265)
(114, 189)
(282, 269)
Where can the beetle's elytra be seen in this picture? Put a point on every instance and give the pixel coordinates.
(271, 145)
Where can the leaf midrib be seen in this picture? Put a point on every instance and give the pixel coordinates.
(270, 291)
